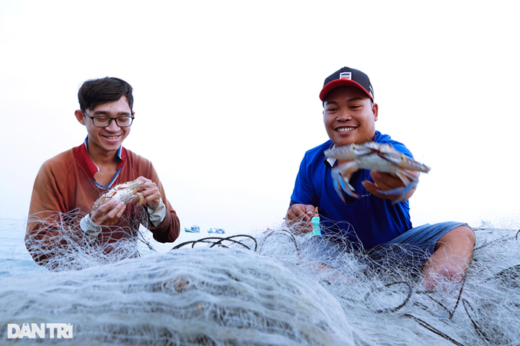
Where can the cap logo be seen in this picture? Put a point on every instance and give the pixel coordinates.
(345, 75)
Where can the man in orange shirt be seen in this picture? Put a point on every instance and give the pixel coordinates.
(61, 216)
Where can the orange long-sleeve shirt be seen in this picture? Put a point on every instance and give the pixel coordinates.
(66, 183)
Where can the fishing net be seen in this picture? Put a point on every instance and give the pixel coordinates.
(271, 288)
(210, 295)
(57, 242)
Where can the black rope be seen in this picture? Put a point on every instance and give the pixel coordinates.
(480, 332)
(496, 241)
(387, 310)
(450, 313)
(512, 272)
(284, 232)
(422, 306)
(434, 330)
(425, 308)
(234, 241)
(410, 290)
(193, 242)
(218, 242)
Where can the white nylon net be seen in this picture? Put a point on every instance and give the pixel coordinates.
(268, 289)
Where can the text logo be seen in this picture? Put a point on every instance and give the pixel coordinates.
(43, 330)
(345, 75)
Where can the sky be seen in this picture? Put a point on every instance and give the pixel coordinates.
(226, 96)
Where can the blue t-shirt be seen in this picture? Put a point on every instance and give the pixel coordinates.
(369, 220)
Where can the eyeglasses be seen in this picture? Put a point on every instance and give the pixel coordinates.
(102, 121)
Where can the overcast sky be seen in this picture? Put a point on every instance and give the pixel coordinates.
(226, 96)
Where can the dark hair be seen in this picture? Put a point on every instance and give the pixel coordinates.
(104, 90)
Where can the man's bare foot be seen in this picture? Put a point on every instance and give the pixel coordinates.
(451, 274)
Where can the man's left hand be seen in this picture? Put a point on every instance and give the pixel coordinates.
(150, 192)
(387, 182)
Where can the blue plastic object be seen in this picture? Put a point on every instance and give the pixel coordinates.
(316, 230)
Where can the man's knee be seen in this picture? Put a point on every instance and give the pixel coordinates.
(459, 235)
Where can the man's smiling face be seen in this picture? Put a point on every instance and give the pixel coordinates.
(106, 139)
(349, 116)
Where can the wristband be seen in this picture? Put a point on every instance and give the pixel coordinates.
(157, 214)
(90, 228)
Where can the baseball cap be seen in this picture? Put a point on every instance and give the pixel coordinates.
(347, 76)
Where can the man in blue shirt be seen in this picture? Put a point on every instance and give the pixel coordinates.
(375, 220)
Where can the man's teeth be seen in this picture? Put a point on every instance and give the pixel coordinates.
(112, 137)
(343, 129)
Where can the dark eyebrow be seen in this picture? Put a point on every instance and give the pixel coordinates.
(106, 113)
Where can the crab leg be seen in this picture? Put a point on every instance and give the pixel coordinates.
(339, 185)
(341, 175)
(405, 162)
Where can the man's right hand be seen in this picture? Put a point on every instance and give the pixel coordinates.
(299, 217)
(108, 213)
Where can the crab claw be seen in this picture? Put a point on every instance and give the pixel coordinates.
(342, 184)
(410, 182)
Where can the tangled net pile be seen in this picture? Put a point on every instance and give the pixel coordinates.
(271, 289)
(67, 247)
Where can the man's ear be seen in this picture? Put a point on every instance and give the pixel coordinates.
(375, 111)
(79, 115)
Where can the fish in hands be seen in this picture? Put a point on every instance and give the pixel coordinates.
(378, 157)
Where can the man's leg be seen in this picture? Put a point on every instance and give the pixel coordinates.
(451, 258)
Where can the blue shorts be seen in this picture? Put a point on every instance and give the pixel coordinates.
(411, 249)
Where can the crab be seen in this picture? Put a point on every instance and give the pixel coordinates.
(125, 192)
(377, 157)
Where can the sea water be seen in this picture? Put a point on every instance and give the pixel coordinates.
(276, 295)
(14, 258)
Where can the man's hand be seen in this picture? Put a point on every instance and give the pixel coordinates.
(387, 182)
(299, 217)
(150, 192)
(108, 213)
